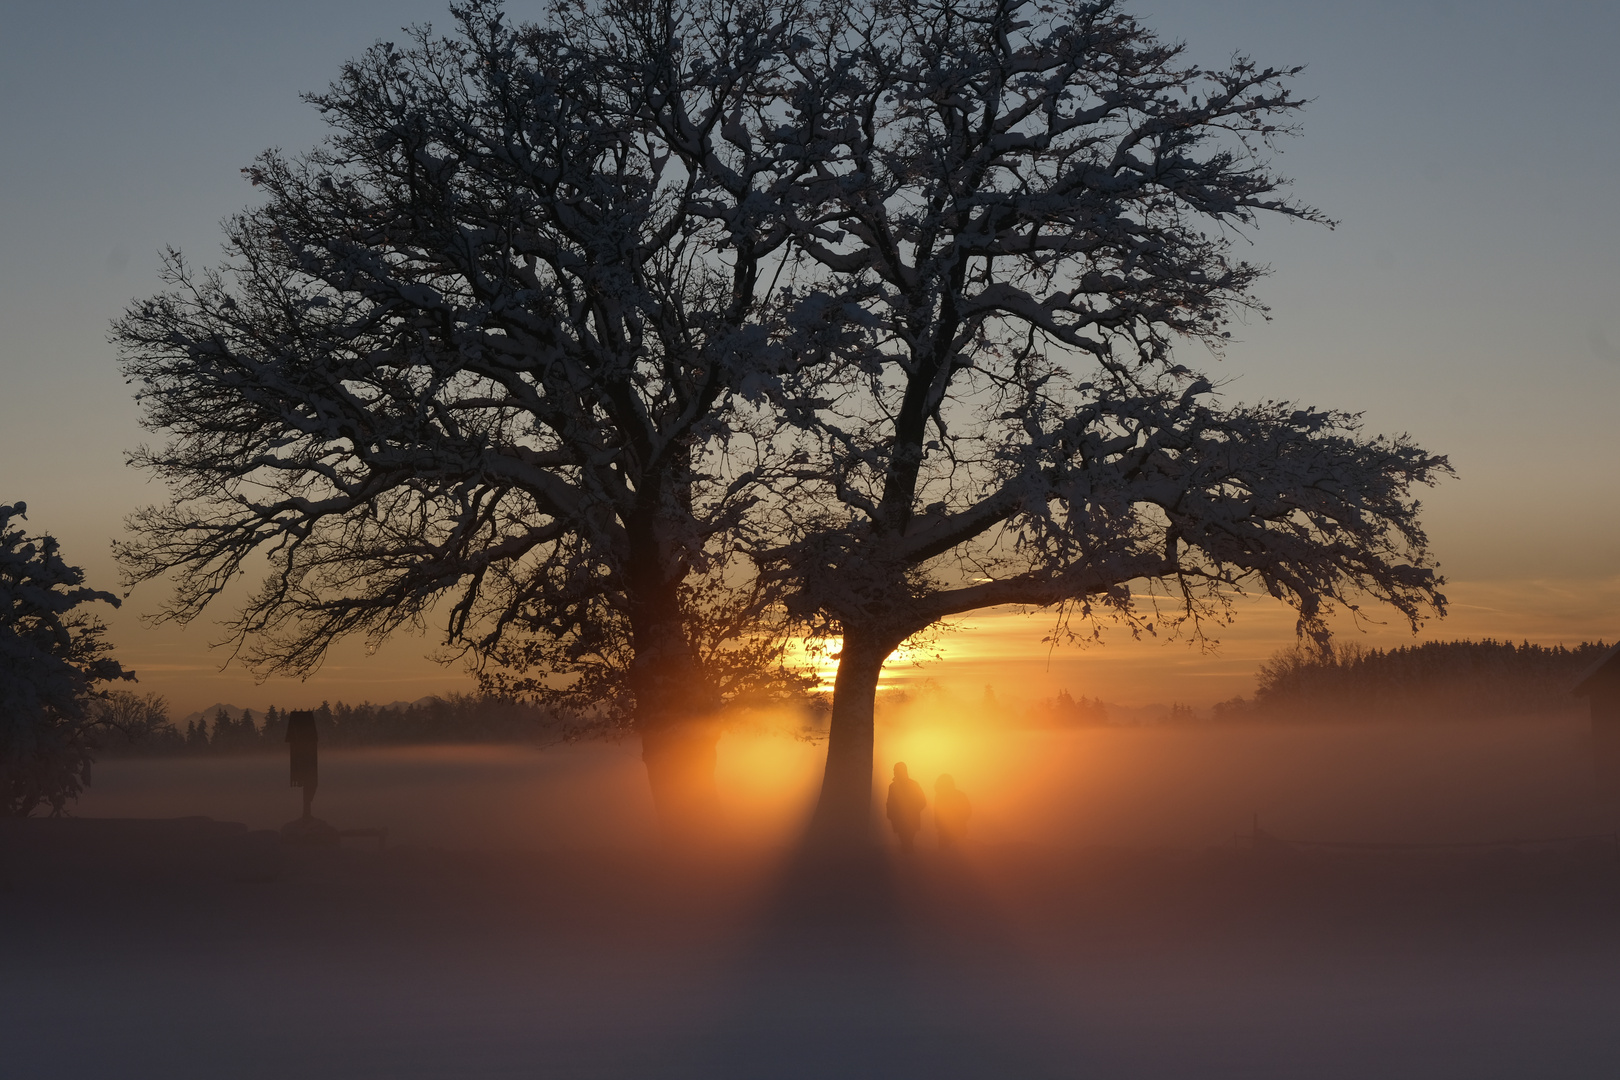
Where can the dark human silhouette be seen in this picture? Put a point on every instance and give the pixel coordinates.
(301, 753)
(951, 813)
(905, 806)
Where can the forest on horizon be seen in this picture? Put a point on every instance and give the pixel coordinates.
(1451, 680)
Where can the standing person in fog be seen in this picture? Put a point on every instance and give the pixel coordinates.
(951, 813)
(905, 806)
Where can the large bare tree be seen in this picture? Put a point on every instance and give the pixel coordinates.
(475, 355)
(1018, 208)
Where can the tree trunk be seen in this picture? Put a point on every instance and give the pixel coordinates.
(677, 706)
(676, 716)
(843, 817)
(680, 757)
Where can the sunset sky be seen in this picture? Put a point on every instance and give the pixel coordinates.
(1470, 296)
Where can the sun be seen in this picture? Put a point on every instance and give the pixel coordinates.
(820, 656)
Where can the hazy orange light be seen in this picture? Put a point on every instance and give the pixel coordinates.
(768, 783)
(928, 752)
(821, 656)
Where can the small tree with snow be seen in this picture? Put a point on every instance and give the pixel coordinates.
(52, 657)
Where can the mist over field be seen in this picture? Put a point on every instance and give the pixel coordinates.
(1139, 786)
(1111, 914)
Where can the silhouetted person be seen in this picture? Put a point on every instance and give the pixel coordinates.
(951, 813)
(301, 753)
(905, 806)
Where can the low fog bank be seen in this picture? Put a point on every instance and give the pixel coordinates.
(522, 920)
(1200, 786)
(1149, 786)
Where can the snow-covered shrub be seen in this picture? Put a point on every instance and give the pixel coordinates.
(52, 655)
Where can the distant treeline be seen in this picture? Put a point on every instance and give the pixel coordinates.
(1435, 680)
(1065, 710)
(142, 728)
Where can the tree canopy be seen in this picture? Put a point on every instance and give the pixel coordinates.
(1019, 209)
(570, 326)
(477, 351)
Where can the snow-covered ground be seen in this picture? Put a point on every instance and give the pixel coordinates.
(523, 922)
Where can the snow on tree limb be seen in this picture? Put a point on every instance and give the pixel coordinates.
(477, 348)
(1029, 205)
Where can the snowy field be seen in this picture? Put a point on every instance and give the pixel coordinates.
(523, 921)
